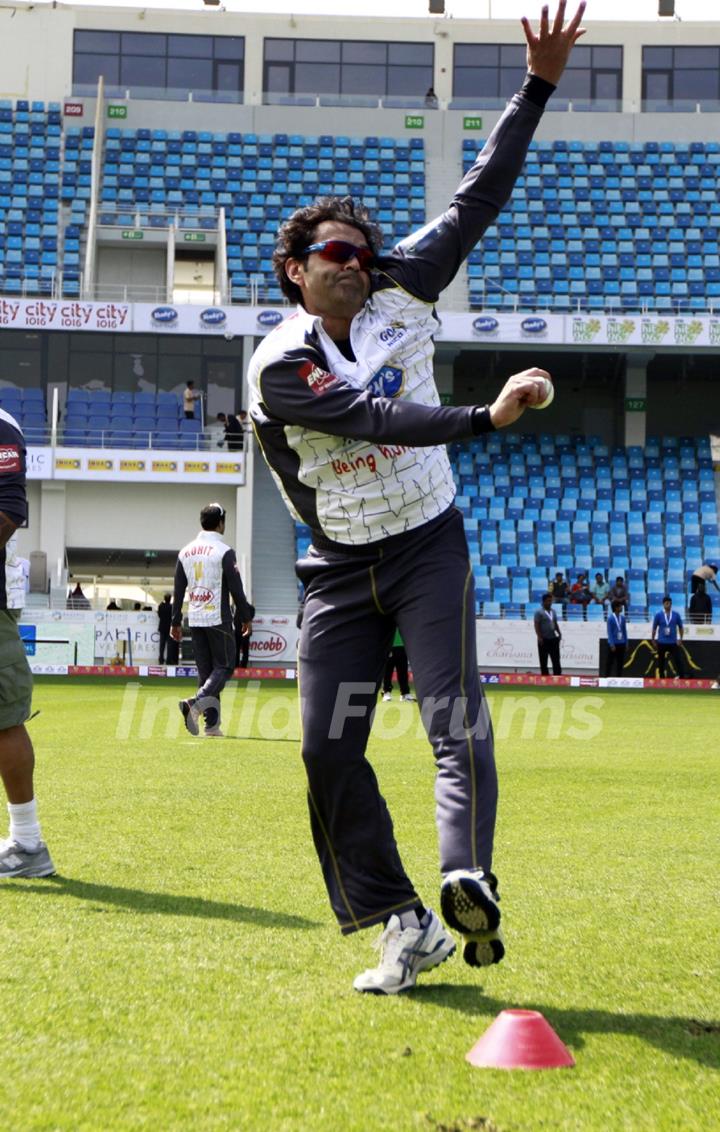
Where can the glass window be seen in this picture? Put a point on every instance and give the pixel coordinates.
(364, 53)
(657, 56)
(193, 74)
(607, 85)
(229, 47)
(197, 46)
(409, 80)
(516, 57)
(277, 78)
(317, 51)
(696, 84)
(141, 70)
(511, 79)
(311, 79)
(689, 57)
(475, 84)
(88, 68)
(657, 86)
(228, 76)
(476, 54)
(105, 41)
(143, 43)
(410, 54)
(279, 49)
(357, 79)
(576, 84)
(606, 56)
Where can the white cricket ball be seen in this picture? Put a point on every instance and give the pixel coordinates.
(549, 394)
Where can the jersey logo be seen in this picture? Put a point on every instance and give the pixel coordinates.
(200, 596)
(10, 459)
(317, 380)
(387, 382)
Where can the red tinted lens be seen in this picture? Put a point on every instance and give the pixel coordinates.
(339, 251)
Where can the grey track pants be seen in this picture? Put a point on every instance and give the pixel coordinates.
(421, 582)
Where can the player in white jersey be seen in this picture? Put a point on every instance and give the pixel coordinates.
(345, 408)
(207, 571)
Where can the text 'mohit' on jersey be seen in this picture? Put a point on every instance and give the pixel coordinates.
(13, 497)
(357, 447)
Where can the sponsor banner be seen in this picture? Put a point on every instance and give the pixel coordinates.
(228, 321)
(699, 660)
(513, 644)
(274, 640)
(48, 669)
(102, 670)
(127, 465)
(52, 640)
(501, 327)
(61, 314)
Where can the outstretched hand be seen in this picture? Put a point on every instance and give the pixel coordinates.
(548, 51)
(518, 393)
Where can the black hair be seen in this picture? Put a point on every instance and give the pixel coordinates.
(298, 232)
(212, 516)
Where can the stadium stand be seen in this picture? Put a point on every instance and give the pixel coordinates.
(27, 406)
(536, 505)
(605, 226)
(259, 179)
(100, 419)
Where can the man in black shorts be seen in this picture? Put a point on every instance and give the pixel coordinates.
(24, 853)
(345, 407)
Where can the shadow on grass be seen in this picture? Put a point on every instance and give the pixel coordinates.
(163, 904)
(680, 1037)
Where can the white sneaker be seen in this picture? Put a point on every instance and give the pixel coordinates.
(387, 696)
(214, 733)
(404, 953)
(409, 698)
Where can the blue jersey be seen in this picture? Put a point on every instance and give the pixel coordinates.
(667, 625)
(616, 629)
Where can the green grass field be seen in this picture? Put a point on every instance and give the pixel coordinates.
(183, 971)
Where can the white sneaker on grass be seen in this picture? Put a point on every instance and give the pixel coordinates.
(409, 698)
(387, 696)
(469, 903)
(404, 953)
(18, 862)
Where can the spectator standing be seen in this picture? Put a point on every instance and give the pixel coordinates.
(76, 599)
(397, 661)
(706, 573)
(559, 590)
(233, 431)
(548, 636)
(667, 631)
(113, 606)
(207, 569)
(619, 592)
(616, 639)
(242, 639)
(431, 100)
(700, 606)
(189, 399)
(24, 853)
(164, 612)
(599, 590)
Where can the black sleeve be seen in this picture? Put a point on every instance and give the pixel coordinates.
(235, 586)
(298, 390)
(178, 593)
(13, 496)
(425, 262)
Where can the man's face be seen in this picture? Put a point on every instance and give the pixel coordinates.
(667, 606)
(338, 290)
(547, 602)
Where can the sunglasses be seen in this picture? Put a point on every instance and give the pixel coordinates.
(339, 251)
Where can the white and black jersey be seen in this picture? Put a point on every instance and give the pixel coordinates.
(207, 570)
(355, 438)
(13, 497)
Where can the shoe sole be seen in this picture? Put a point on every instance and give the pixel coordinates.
(190, 722)
(467, 908)
(483, 952)
(29, 873)
(430, 962)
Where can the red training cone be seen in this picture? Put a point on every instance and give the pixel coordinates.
(520, 1039)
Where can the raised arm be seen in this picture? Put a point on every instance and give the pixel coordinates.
(426, 262)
